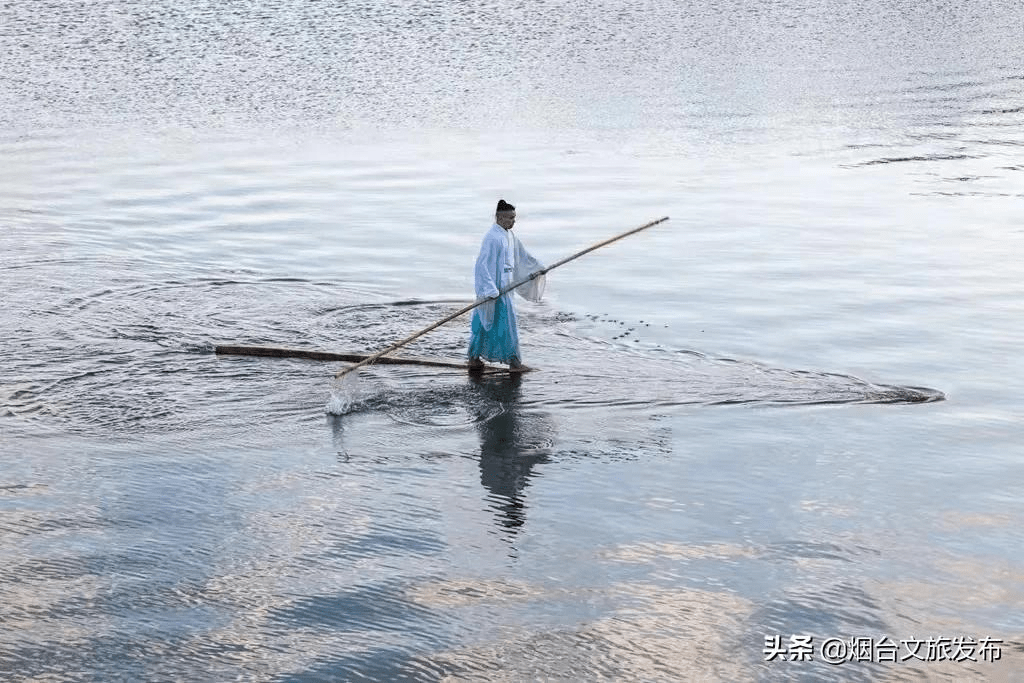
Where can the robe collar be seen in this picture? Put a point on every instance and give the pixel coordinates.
(507, 235)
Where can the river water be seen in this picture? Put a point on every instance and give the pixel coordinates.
(791, 410)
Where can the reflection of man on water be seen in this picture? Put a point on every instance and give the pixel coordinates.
(511, 443)
(502, 261)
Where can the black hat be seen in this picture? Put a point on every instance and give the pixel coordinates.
(504, 206)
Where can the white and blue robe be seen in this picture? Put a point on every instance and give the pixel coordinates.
(502, 261)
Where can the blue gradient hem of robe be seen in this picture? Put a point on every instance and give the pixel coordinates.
(500, 344)
(494, 335)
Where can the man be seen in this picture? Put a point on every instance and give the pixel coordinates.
(502, 261)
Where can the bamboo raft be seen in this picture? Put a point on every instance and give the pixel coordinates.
(314, 354)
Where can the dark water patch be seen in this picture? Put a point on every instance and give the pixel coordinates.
(376, 664)
(855, 391)
(30, 523)
(965, 179)
(20, 488)
(965, 194)
(1005, 110)
(177, 604)
(413, 541)
(108, 652)
(43, 571)
(842, 608)
(946, 85)
(23, 399)
(789, 551)
(373, 607)
(688, 378)
(923, 157)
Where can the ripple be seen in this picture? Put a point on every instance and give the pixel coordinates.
(928, 157)
(130, 361)
(435, 416)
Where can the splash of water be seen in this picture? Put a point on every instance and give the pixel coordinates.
(346, 394)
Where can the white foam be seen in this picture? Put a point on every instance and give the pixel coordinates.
(346, 394)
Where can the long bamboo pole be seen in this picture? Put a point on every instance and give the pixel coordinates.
(397, 345)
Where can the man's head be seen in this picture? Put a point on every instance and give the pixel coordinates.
(505, 215)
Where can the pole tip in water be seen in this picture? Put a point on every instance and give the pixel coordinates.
(346, 394)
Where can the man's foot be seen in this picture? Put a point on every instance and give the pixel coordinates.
(475, 365)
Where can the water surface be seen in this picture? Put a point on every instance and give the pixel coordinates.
(791, 409)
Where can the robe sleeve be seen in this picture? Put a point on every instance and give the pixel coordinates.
(526, 264)
(486, 280)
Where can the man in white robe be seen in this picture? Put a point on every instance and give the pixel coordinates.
(494, 335)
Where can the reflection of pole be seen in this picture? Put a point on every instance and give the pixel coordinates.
(371, 359)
